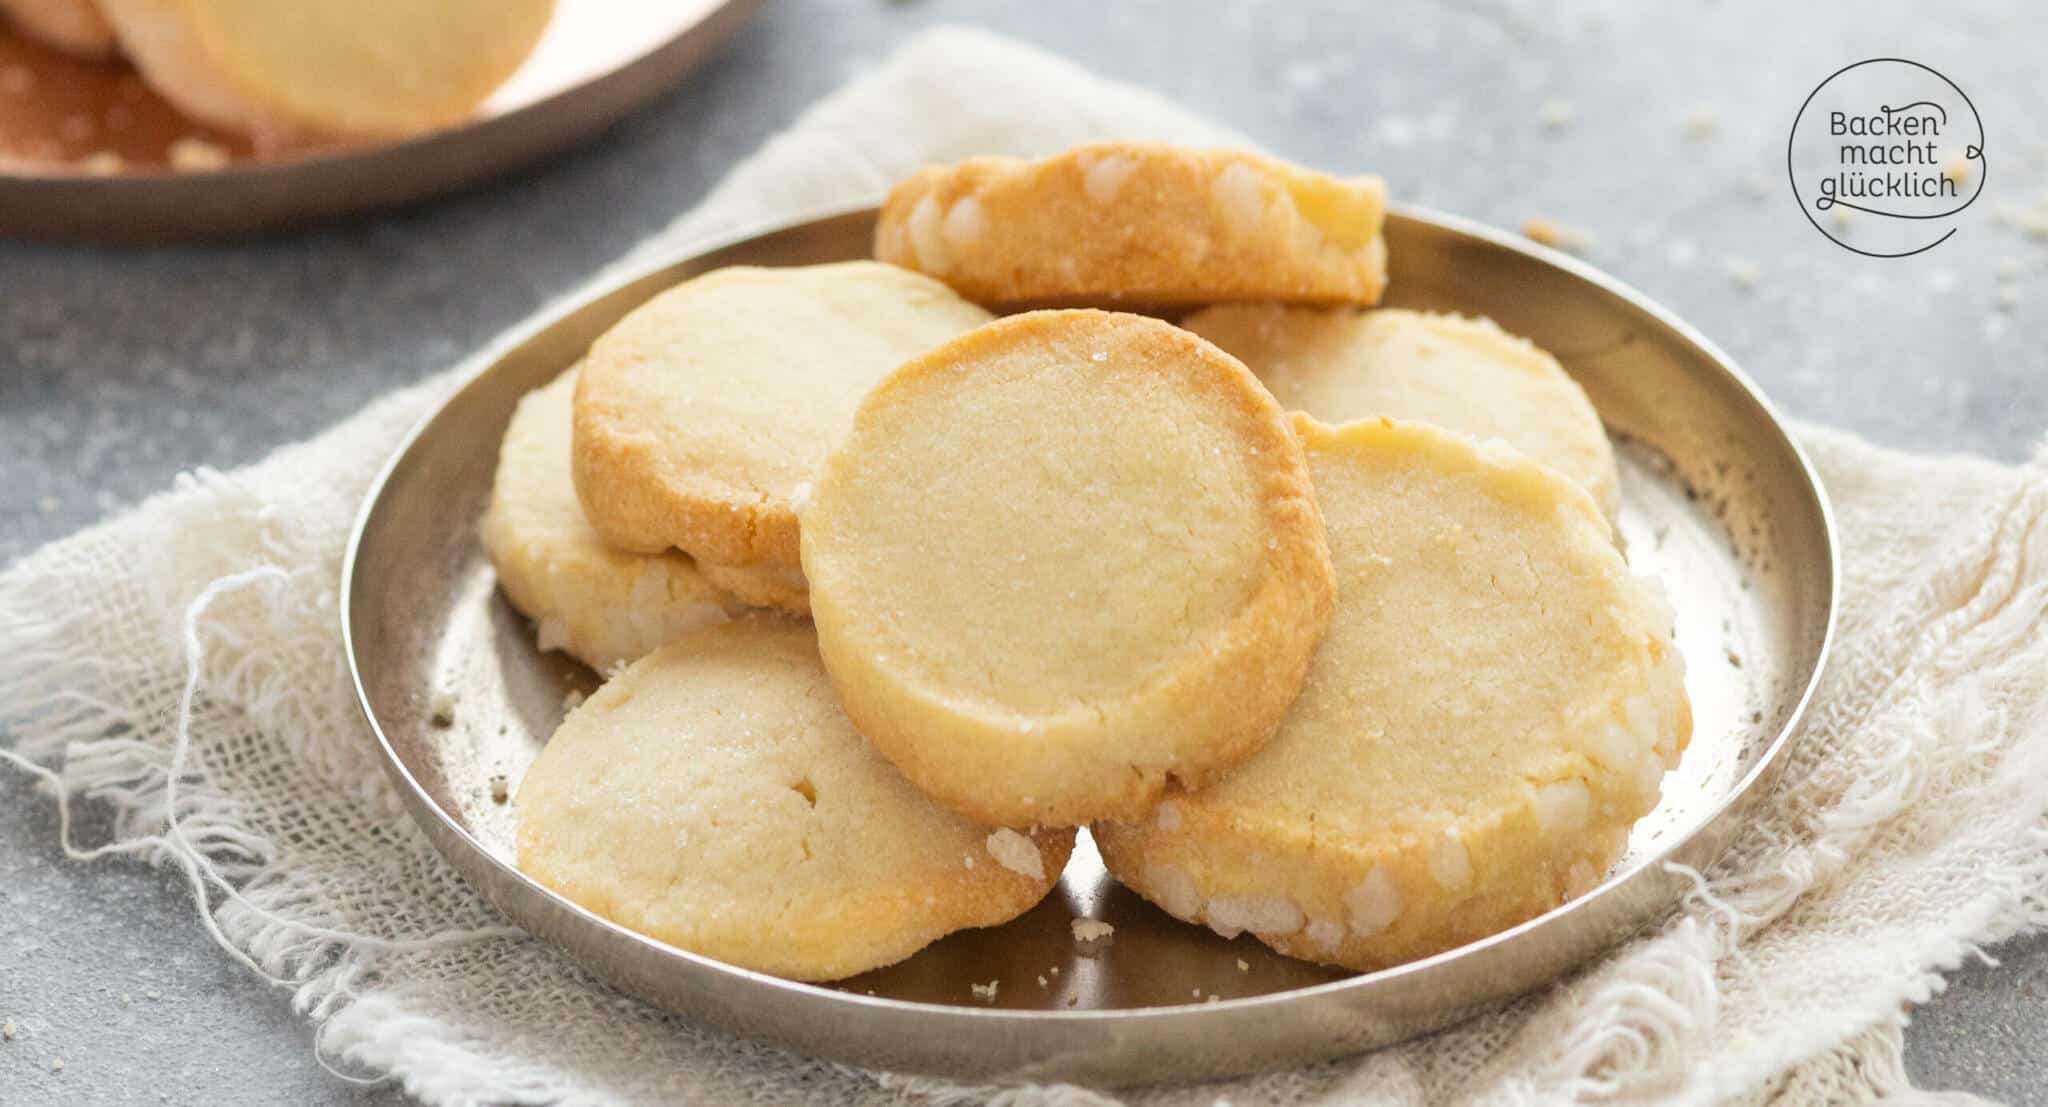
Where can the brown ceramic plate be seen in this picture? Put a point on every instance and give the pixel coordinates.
(87, 151)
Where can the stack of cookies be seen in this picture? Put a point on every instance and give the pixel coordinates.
(1310, 612)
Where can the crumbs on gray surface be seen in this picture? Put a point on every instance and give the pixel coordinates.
(1555, 113)
(56, 1064)
(1744, 273)
(1700, 124)
(1559, 236)
(8, 1030)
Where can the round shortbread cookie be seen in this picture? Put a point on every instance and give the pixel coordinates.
(327, 66)
(1062, 559)
(1146, 222)
(1494, 706)
(602, 606)
(702, 417)
(1460, 373)
(714, 796)
(73, 26)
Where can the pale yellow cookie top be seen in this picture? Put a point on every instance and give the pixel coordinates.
(1464, 374)
(1139, 221)
(1495, 704)
(714, 796)
(604, 606)
(1487, 637)
(1047, 532)
(703, 414)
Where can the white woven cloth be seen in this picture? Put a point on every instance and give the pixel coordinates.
(180, 662)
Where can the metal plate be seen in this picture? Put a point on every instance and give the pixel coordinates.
(1719, 504)
(597, 60)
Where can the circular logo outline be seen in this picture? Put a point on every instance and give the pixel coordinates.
(1983, 162)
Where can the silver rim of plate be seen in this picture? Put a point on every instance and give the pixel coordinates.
(1719, 503)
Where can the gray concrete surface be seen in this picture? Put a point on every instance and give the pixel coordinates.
(120, 367)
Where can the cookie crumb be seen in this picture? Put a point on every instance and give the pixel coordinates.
(104, 163)
(1556, 113)
(8, 1030)
(192, 154)
(986, 992)
(1243, 965)
(1091, 930)
(1957, 168)
(2008, 297)
(1550, 232)
(500, 789)
(1016, 853)
(1700, 124)
(56, 1064)
(572, 701)
(1042, 981)
(1744, 273)
(441, 708)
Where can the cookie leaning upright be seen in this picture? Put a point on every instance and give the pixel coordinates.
(713, 796)
(1494, 706)
(703, 415)
(1460, 373)
(603, 606)
(327, 67)
(1064, 559)
(1144, 222)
